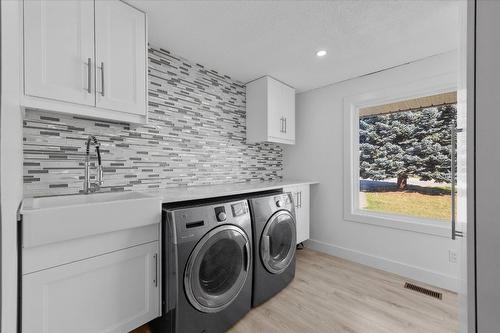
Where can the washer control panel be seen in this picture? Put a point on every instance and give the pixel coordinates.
(194, 221)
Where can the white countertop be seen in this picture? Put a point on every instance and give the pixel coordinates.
(186, 193)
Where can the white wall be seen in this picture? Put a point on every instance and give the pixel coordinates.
(318, 155)
(11, 163)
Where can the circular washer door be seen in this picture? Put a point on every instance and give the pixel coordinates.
(217, 268)
(277, 244)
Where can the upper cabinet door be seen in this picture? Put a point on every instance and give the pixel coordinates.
(275, 118)
(276, 109)
(288, 100)
(59, 50)
(281, 112)
(120, 57)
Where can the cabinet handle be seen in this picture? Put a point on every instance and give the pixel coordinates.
(285, 124)
(281, 125)
(102, 79)
(89, 75)
(155, 277)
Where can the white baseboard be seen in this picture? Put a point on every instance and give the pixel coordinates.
(412, 272)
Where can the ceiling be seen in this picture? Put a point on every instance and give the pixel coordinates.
(249, 39)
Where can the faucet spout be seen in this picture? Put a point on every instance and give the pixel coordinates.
(93, 139)
(88, 185)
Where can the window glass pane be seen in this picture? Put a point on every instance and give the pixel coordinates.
(405, 161)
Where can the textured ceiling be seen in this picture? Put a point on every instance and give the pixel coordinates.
(249, 39)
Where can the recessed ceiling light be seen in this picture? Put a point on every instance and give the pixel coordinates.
(321, 53)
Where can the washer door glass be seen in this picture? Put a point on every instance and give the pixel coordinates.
(217, 268)
(277, 244)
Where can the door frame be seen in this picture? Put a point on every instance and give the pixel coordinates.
(470, 311)
(471, 163)
(11, 159)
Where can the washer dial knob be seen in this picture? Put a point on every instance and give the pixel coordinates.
(221, 216)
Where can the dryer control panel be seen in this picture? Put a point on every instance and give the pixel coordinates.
(282, 201)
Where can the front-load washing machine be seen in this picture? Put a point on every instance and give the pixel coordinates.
(207, 267)
(274, 231)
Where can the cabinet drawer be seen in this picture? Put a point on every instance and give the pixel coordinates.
(56, 254)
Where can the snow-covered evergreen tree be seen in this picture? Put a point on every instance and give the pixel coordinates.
(414, 143)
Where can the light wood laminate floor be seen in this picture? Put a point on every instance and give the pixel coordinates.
(330, 294)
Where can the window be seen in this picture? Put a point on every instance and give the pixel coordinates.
(399, 158)
(405, 157)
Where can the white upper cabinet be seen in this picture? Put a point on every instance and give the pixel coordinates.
(59, 50)
(86, 57)
(270, 111)
(121, 64)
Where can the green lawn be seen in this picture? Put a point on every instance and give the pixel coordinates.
(410, 203)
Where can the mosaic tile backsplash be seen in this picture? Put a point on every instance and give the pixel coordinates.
(195, 136)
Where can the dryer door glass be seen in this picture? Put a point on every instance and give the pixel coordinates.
(277, 244)
(217, 268)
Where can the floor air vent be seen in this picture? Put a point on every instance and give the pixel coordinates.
(423, 290)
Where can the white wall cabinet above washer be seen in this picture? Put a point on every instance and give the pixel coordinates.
(270, 111)
(75, 66)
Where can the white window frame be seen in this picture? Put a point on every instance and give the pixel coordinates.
(420, 88)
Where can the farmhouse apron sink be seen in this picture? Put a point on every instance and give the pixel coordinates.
(60, 218)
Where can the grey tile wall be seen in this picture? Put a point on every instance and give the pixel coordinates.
(195, 136)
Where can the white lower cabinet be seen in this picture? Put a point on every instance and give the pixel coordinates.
(113, 292)
(301, 198)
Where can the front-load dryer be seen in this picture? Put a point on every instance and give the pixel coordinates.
(274, 230)
(207, 267)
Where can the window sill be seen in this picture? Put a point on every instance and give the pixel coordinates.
(420, 225)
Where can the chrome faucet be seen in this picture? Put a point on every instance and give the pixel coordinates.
(88, 186)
